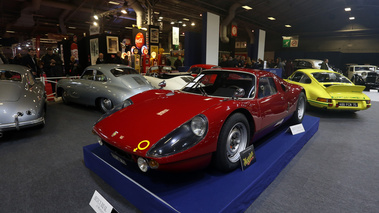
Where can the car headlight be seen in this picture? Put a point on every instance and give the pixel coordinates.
(182, 138)
(118, 107)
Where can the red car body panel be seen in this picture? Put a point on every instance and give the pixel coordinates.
(156, 113)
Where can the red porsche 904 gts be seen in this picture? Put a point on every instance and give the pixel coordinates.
(212, 119)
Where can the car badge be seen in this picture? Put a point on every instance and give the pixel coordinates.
(115, 133)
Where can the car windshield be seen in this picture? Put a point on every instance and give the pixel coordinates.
(324, 77)
(222, 83)
(117, 72)
(6, 75)
(365, 68)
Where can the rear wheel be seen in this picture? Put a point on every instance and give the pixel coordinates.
(234, 137)
(65, 97)
(299, 113)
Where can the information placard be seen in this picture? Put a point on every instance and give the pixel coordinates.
(247, 157)
(296, 129)
(100, 205)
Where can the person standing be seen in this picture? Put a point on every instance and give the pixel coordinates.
(117, 59)
(325, 65)
(30, 60)
(52, 65)
(100, 59)
(178, 63)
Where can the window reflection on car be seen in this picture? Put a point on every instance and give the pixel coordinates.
(323, 77)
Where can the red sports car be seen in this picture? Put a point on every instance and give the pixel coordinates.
(212, 119)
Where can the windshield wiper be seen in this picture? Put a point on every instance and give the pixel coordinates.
(197, 85)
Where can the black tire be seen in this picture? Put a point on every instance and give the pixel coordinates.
(299, 113)
(234, 138)
(105, 104)
(64, 97)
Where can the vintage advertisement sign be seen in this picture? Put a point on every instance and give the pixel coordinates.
(175, 35)
(140, 40)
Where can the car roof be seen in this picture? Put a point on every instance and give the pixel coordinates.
(252, 71)
(108, 66)
(14, 67)
(309, 71)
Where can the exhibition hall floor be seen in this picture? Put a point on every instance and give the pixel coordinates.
(42, 170)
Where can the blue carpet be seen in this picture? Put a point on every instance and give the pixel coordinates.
(202, 191)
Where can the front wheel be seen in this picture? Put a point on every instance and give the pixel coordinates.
(65, 97)
(105, 104)
(299, 113)
(234, 138)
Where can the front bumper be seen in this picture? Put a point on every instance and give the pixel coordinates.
(20, 125)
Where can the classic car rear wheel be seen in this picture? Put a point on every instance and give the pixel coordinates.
(64, 97)
(299, 113)
(105, 104)
(234, 137)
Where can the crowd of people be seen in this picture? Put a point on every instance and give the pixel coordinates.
(246, 62)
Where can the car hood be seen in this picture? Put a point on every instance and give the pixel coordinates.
(346, 91)
(9, 92)
(153, 115)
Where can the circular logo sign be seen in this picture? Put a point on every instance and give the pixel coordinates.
(139, 40)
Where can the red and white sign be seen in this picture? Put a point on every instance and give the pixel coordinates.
(234, 30)
(140, 40)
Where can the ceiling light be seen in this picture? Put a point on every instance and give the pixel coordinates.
(19, 48)
(96, 17)
(185, 19)
(287, 25)
(113, 2)
(172, 22)
(144, 28)
(156, 12)
(184, 25)
(201, 14)
(193, 24)
(10, 31)
(124, 11)
(347, 9)
(94, 23)
(72, 28)
(351, 18)
(128, 27)
(247, 7)
(271, 18)
(160, 17)
(180, 22)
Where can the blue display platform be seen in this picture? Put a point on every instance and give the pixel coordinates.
(206, 190)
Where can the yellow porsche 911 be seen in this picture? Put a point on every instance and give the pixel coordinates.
(330, 90)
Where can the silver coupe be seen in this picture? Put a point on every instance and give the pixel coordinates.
(104, 86)
(22, 99)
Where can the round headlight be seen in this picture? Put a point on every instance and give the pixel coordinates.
(198, 125)
(142, 164)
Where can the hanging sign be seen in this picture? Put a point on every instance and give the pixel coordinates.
(234, 30)
(140, 40)
(175, 35)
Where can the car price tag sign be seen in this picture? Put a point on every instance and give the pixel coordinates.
(296, 129)
(100, 205)
(247, 157)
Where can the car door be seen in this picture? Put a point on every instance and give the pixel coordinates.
(99, 86)
(81, 89)
(272, 102)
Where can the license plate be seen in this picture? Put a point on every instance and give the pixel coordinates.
(348, 104)
(118, 158)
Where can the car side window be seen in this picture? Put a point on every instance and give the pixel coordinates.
(297, 76)
(30, 79)
(266, 87)
(305, 79)
(308, 64)
(87, 75)
(100, 76)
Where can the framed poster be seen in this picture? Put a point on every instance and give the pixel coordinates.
(94, 49)
(112, 44)
(154, 35)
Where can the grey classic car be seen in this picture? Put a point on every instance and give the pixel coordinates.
(104, 86)
(22, 98)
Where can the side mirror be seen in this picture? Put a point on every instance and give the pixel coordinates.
(162, 84)
(239, 93)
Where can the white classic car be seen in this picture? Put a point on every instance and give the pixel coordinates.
(171, 79)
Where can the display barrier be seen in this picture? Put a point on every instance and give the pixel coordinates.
(276, 71)
(202, 191)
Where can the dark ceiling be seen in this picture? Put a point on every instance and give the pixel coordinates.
(24, 19)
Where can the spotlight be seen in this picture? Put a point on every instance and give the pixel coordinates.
(193, 24)
(94, 23)
(124, 11)
(96, 17)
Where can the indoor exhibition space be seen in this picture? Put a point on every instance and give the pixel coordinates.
(189, 106)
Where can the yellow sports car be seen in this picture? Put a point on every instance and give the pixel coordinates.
(330, 90)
